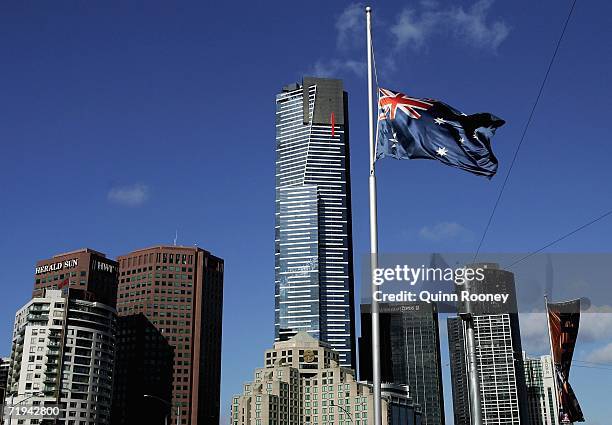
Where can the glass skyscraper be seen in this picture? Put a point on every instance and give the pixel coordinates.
(409, 353)
(314, 288)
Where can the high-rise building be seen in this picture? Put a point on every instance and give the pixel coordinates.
(62, 354)
(458, 366)
(180, 291)
(314, 288)
(302, 383)
(85, 270)
(143, 366)
(409, 353)
(539, 377)
(4, 370)
(498, 354)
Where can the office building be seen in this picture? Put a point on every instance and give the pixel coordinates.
(85, 271)
(4, 370)
(143, 367)
(458, 367)
(180, 291)
(498, 352)
(302, 383)
(409, 353)
(62, 354)
(314, 288)
(539, 378)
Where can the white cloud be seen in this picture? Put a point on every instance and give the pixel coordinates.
(444, 231)
(413, 28)
(349, 25)
(601, 355)
(335, 67)
(130, 196)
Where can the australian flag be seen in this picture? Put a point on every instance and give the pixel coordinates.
(411, 128)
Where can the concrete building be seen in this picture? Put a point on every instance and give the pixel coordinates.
(84, 271)
(314, 281)
(498, 350)
(302, 383)
(409, 353)
(62, 354)
(179, 290)
(539, 377)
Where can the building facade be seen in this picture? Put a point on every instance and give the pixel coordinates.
(143, 366)
(62, 354)
(409, 353)
(539, 378)
(85, 270)
(314, 282)
(180, 291)
(5, 362)
(498, 352)
(302, 383)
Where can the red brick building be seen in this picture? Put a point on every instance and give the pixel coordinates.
(180, 291)
(84, 271)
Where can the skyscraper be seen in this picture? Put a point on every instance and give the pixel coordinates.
(85, 271)
(180, 291)
(62, 355)
(539, 377)
(409, 353)
(498, 354)
(314, 288)
(144, 364)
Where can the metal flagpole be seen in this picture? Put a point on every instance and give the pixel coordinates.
(472, 362)
(373, 233)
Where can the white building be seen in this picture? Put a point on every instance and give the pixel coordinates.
(62, 355)
(539, 377)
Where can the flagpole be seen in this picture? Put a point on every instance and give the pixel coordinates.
(373, 233)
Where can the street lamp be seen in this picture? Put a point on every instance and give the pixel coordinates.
(169, 404)
(40, 394)
(331, 403)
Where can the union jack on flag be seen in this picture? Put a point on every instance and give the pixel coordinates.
(413, 128)
(389, 102)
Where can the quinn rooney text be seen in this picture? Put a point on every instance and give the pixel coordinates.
(429, 297)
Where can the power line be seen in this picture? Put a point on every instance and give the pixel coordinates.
(567, 235)
(531, 114)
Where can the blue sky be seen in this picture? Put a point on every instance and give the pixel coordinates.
(123, 122)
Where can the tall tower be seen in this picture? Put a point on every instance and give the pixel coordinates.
(409, 352)
(539, 377)
(180, 291)
(314, 288)
(499, 354)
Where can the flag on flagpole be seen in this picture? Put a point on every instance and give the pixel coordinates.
(412, 128)
(563, 322)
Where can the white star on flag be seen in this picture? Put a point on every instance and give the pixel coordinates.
(442, 151)
(394, 140)
(440, 121)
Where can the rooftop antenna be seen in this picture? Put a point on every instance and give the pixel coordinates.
(175, 236)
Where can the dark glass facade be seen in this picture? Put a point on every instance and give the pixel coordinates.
(409, 353)
(143, 365)
(314, 288)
